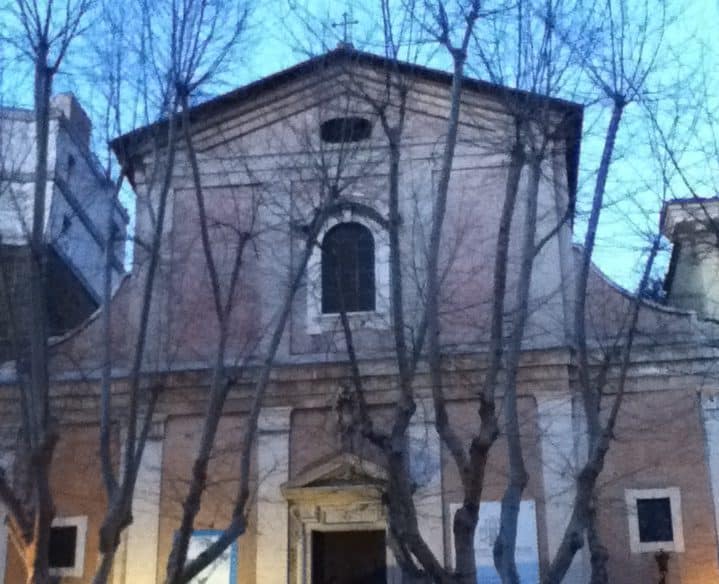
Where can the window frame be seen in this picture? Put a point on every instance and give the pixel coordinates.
(77, 570)
(346, 129)
(361, 271)
(675, 504)
(319, 322)
(229, 555)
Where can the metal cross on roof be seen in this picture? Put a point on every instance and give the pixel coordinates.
(345, 24)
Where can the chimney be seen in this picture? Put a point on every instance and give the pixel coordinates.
(79, 123)
(692, 282)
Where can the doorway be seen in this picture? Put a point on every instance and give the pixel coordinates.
(349, 557)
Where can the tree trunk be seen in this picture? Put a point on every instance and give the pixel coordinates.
(40, 435)
(463, 527)
(599, 555)
(590, 399)
(505, 545)
(103, 571)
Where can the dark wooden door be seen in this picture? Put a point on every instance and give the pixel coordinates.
(348, 557)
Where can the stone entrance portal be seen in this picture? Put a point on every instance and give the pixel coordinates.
(337, 524)
(349, 557)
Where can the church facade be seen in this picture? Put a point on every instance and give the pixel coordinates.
(266, 154)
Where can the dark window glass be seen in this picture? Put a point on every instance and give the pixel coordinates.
(66, 224)
(655, 520)
(118, 245)
(348, 129)
(348, 269)
(62, 546)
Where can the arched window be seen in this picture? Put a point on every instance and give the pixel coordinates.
(348, 279)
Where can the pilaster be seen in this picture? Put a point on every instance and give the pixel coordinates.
(141, 543)
(561, 447)
(710, 416)
(426, 469)
(273, 457)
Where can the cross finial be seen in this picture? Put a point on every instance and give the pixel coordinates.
(345, 24)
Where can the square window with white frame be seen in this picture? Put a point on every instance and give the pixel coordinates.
(655, 520)
(67, 546)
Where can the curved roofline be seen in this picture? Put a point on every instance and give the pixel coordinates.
(646, 302)
(58, 340)
(73, 332)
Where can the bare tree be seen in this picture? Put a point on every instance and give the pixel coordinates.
(45, 33)
(520, 49)
(184, 47)
(197, 45)
(631, 44)
(550, 57)
(525, 142)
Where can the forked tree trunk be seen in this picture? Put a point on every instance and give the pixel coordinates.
(505, 545)
(40, 434)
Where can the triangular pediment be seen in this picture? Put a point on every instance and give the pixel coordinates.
(278, 96)
(341, 471)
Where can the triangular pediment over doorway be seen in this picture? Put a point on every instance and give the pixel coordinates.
(346, 472)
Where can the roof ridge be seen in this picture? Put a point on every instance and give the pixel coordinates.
(340, 52)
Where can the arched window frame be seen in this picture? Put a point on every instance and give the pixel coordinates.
(355, 244)
(317, 322)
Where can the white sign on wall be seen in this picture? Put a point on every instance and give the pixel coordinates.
(224, 569)
(527, 550)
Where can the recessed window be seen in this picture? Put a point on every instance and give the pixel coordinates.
(345, 129)
(67, 546)
(348, 278)
(358, 247)
(655, 521)
(63, 541)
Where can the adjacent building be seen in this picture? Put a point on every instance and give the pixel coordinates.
(82, 213)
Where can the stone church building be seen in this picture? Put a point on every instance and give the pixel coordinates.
(266, 153)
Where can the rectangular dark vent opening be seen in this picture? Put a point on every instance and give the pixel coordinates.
(346, 129)
(655, 520)
(63, 541)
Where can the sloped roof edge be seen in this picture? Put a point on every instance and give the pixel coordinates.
(346, 53)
